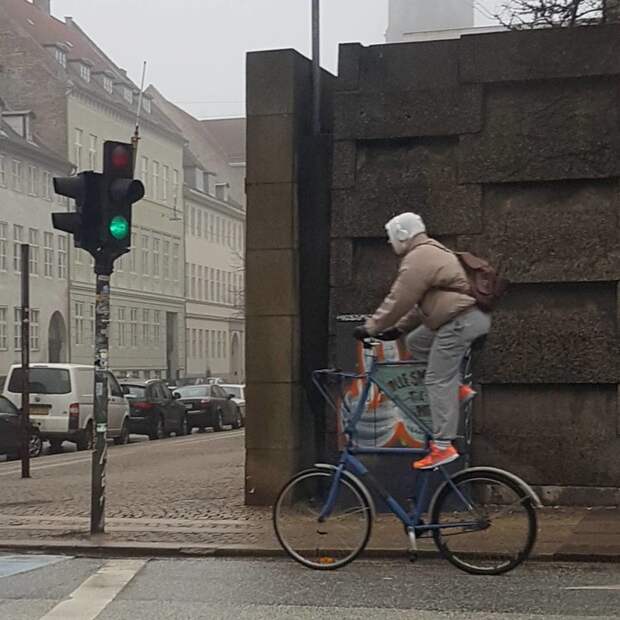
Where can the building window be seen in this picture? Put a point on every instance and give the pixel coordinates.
(194, 343)
(62, 257)
(48, 255)
(34, 330)
(16, 174)
(4, 242)
(18, 239)
(145, 174)
(17, 329)
(33, 240)
(175, 261)
(91, 324)
(77, 148)
(156, 257)
(61, 57)
(132, 255)
(128, 94)
(200, 344)
(146, 328)
(146, 104)
(175, 185)
(2, 172)
(85, 72)
(46, 185)
(156, 327)
(199, 282)
(193, 281)
(122, 327)
(221, 191)
(92, 152)
(212, 285)
(108, 85)
(133, 327)
(79, 322)
(224, 345)
(145, 255)
(165, 179)
(3, 328)
(199, 222)
(166, 261)
(156, 191)
(192, 221)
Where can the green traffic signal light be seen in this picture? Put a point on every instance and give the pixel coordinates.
(119, 227)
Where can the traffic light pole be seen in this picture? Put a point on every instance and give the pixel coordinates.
(103, 271)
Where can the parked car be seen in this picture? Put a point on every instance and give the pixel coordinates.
(153, 410)
(61, 403)
(209, 405)
(238, 393)
(11, 429)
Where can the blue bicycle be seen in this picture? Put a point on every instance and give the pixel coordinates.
(482, 519)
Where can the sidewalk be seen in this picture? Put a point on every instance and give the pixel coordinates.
(564, 534)
(185, 497)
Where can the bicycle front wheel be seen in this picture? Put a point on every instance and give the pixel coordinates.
(327, 543)
(487, 522)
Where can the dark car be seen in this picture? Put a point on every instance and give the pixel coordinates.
(10, 431)
(153, 410)
(209, 405)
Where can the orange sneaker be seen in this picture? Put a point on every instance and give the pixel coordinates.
(466, 394)
(436, 457)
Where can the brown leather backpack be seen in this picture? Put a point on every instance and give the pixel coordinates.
(487, 286)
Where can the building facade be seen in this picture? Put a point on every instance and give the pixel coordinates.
(83, 99)
(26, 203)
(408, 18)
(214, 201)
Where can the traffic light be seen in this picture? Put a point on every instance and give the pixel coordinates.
(119, 190)
(83, 223)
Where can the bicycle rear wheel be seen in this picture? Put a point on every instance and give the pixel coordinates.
(489, 522)
(332, 542)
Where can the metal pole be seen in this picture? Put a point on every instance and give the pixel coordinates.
(25, 327)
(316, 68)
(103, 271)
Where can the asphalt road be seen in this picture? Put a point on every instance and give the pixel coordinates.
(56, 588)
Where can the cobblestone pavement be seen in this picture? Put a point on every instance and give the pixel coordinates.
(188, 493)
(189, 489)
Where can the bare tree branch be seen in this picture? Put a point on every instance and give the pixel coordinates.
(524, 14)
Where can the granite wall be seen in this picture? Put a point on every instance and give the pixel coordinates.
(508, 145)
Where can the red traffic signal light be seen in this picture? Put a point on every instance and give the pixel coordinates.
(118, 159)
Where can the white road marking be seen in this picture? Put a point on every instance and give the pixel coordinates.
(124, 450)
(97, 592)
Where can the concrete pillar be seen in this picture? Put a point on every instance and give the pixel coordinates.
(279, 115)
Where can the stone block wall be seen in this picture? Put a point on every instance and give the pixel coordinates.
(508, 144)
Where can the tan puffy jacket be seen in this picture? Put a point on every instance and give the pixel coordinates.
(419, 293)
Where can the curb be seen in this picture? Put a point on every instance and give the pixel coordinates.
(80, 548)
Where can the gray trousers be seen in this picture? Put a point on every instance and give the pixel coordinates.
(442, 351)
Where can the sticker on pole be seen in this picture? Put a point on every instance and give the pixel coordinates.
(102, 428)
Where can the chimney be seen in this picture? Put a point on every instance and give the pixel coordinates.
(44, 5)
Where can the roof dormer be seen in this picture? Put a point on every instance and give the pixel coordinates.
(20, 121)
(125, 90)
(59, 50)
(105, 78)
(84, 66)
(146, 103)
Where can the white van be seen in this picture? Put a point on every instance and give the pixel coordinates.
(61, 403)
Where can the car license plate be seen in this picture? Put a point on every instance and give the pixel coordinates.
(39, 409)
(188, 407)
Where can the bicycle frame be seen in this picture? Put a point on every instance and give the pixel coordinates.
(349, 462)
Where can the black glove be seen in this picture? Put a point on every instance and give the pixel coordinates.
(393, 333)
(359, 333)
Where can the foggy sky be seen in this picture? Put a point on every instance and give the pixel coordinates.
(196, 48)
